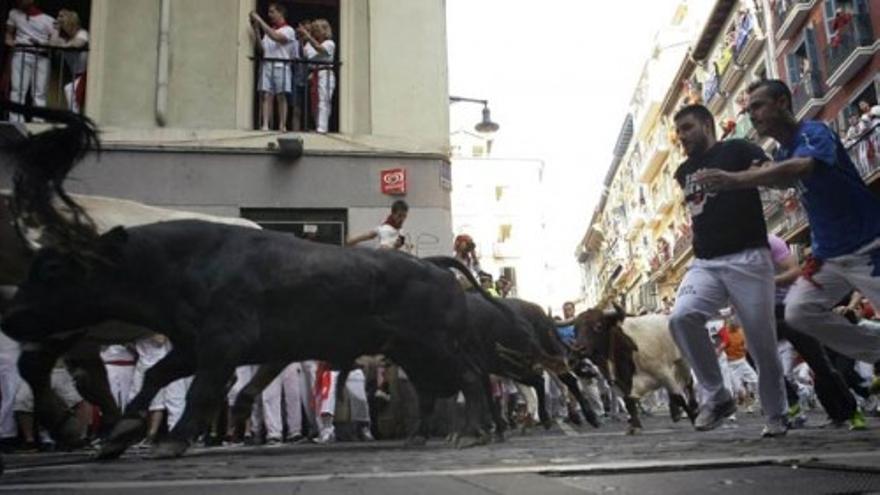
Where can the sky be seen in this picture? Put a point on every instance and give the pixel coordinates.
(559, 76)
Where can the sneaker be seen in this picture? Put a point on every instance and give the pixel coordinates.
(775, 429)
(833, 423)
(297, 438)
(365, 434)
(273, 442)
(857, 421)
(711, 417)
(327, 436)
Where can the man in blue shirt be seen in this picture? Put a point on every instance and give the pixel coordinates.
(844, 219)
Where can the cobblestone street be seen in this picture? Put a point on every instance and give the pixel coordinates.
(665, 458)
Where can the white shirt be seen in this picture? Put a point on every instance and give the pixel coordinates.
(387, 235)
(273, 49)
(313, 55)
(78, 61)
(29, 28)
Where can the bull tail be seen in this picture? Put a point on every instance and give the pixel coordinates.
(42, 164)
(454, 264)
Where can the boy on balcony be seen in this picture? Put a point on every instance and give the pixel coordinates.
(732, 264)
(844, 219)
(278, 47)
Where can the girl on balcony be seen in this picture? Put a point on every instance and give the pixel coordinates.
(320, 47)
(71, 35)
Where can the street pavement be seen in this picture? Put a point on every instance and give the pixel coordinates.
(664, 458)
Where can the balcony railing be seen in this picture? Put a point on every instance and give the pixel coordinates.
(847, 50)
(865, 153)
(749, 38)
(803, 93)
(658, 150)
(683, 244)
(47, 76)
(789, 14)
(310, 87)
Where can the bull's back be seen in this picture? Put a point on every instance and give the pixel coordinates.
(651, 335)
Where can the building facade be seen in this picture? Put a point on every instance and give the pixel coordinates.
(497, 201)
(173, 86)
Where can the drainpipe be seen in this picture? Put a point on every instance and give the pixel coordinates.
(163, 63)
(770, 46)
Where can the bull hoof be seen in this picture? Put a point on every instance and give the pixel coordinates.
(468, 441)
(169, 449)
(126, 432)
(416, 441)
(633, 430)
(548, 424)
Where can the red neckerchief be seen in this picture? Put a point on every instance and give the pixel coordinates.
(33, 11)
(394, 223)
(279, 25)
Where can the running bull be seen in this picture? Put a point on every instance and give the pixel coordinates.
(638, 356)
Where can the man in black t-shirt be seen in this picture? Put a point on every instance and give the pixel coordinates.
(732, 265)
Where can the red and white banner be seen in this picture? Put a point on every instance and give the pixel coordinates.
(393, 181)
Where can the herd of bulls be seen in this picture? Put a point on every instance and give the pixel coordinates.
(227, 293)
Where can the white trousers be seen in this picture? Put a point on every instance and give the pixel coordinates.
(808, 308)
(29, 72)
(742, 375)
(745, 280)
(286, 387)
(326, 86)
(9, 383)
(356, 388)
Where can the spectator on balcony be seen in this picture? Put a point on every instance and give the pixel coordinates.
(71, 35)
(853, 131)
(320, 47)
(843, 216)
(868, 115)
(278, 47)
(300, 77)
(27, 27)
(732, 265)
(842, 19)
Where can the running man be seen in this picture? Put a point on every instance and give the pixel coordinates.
(732, 264)
(844, 219)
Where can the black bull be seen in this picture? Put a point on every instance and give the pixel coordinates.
(227, 296)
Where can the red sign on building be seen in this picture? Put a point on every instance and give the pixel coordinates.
(393, 181)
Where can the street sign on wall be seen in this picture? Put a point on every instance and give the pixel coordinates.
(393, 181)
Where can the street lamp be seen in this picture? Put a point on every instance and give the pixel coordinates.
(485, 126)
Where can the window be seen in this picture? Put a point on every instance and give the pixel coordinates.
(301, 111)
(65, 67)
(504, 232)
(501, 192)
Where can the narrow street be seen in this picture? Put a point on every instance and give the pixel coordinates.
(665, 458)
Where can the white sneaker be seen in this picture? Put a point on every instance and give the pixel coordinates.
(775, 428)
(327, 436)
(366, 435)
